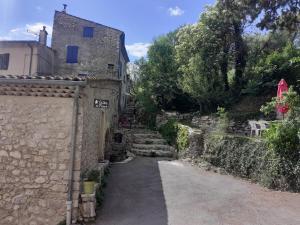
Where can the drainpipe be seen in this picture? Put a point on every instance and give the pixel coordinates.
(31, 56)
(72, 156)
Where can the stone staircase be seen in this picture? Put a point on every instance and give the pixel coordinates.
(150, 143)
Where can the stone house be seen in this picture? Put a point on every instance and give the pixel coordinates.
(57, 125)
(52, 131)
(84, 48)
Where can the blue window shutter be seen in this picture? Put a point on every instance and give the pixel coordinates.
(72, 54)
(88, 32)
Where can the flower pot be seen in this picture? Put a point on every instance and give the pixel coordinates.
(88, 187)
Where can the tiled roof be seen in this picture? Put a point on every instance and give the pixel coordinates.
(26, 77)
(44, 89)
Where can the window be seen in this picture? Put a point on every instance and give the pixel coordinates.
(72, 54)
(4, 61)
(110, 67)
(88, 32)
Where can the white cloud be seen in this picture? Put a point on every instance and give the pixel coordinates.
(27, 32)
(138, 49)
(176, 11)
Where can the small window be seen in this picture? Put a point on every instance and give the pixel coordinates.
(4, 61)
(72, 54)
(110, 66)
(88, 32)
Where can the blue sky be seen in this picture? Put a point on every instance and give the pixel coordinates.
(141, 20)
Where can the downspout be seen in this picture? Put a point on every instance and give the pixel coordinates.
(72, 156)
(31, 56)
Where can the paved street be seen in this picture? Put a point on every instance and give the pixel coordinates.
(149, 191)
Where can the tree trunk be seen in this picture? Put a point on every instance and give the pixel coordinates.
(224, 66)
(240, 54)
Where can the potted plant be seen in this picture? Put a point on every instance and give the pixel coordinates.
(92, 177)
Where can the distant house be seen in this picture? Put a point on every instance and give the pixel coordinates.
(26, 57)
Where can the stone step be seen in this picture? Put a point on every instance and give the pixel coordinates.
(146, 135)
(153, 153)
(152, 147)
(149, 141)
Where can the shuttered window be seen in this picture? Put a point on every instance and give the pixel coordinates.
(4, 61)
(88, 32)
(72, 54)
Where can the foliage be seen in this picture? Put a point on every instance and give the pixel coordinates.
(62, 222)
(169, 131)
(147, 108)
(272, 67)
(92, 175)
(252, 159)
(99, 192)
(223, 119)
(175, 133)
(282, 138)
(182, 137)
(291, 99)
(157, 80)
(215, 61)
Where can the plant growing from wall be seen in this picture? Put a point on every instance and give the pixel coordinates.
(182, 141)
(223, 122)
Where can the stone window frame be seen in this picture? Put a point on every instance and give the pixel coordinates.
(4, 61)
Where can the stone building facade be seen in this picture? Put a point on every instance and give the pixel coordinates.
(39, 135)
(84, 48)
(49, 137)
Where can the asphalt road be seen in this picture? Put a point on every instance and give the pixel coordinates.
(149, 191)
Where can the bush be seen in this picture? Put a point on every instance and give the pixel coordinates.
(250, 158)
(92, 175)
(169, 131)
(283, 139)
(182, 137)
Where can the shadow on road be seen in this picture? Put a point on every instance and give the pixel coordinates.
(134, 195)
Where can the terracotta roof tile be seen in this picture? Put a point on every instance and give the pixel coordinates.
(39, 90)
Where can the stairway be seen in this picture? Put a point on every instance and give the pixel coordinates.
(150, 143)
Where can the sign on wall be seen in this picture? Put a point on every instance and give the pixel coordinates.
(102, 104)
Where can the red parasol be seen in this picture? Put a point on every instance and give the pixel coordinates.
(282, 88)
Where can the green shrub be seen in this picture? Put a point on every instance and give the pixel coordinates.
(223, 122)
(62, 222)
(169, 131)
(250, 158)
(283, 139)
(92, 175)
(182, 137)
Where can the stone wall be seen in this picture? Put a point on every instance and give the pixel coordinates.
(94, 53)
(34, 158)
(99, 122)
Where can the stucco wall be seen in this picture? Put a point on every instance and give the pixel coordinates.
(34, 157)
(94, 53)
(20, 56)
(19, 59)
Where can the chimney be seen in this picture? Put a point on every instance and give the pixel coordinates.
(65, 8)
(43, 36)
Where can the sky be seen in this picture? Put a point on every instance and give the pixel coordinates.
(141, 20)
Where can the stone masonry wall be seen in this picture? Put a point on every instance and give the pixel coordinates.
(94, 53)
(35, 136)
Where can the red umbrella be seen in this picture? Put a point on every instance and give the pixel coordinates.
(282, 88)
